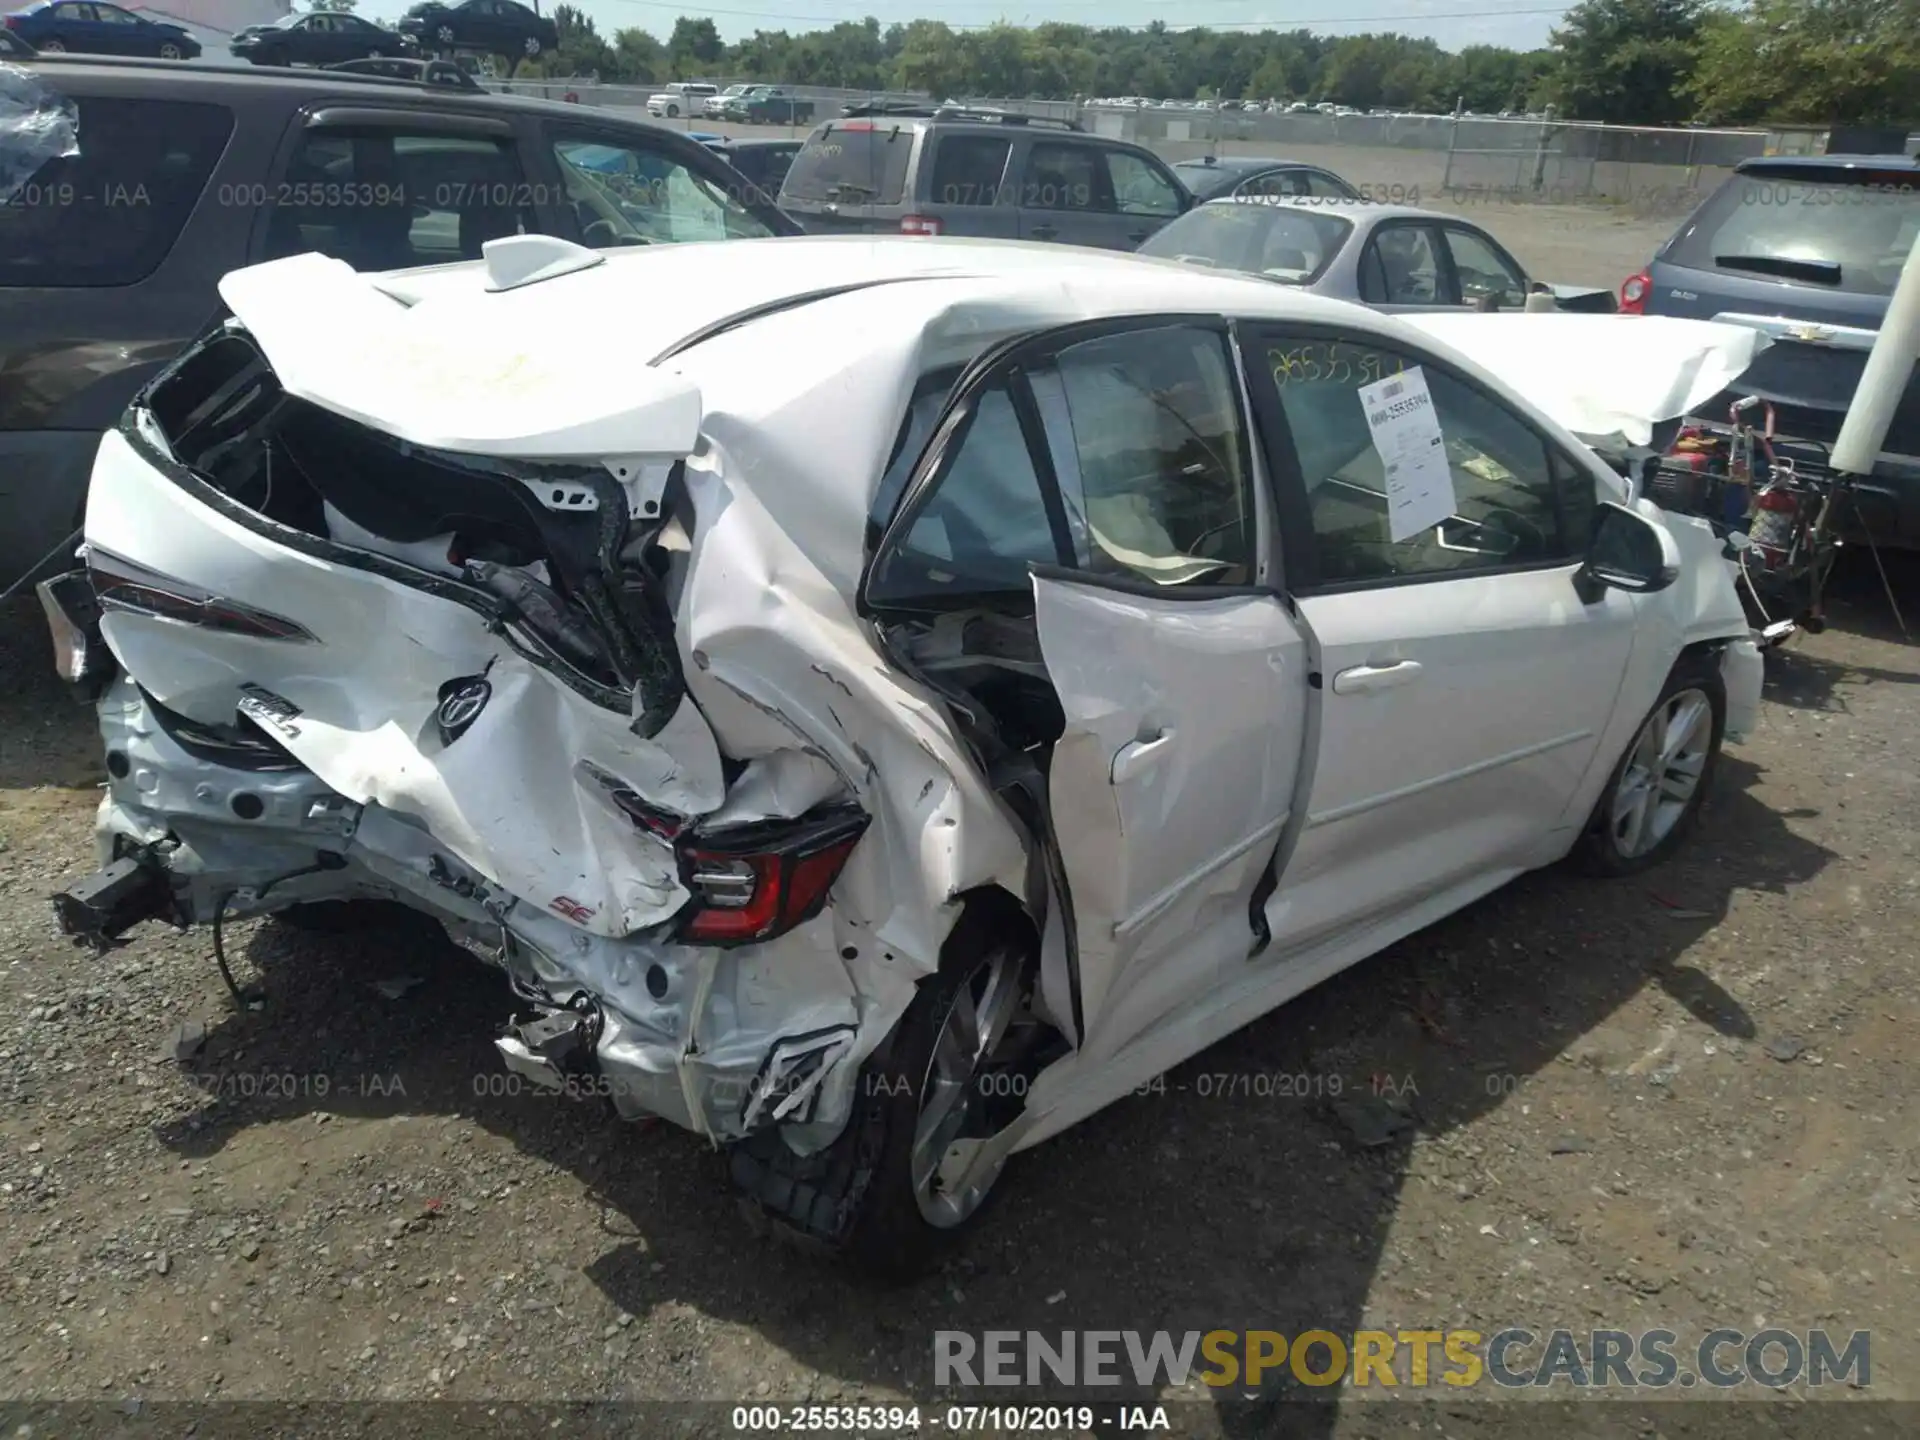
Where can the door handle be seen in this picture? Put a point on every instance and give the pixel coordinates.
(1363, 678)
(1043, 232)
(1137, 755)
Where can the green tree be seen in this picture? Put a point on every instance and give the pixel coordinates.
(1628, 62)
(1810, 62)
(694, 46)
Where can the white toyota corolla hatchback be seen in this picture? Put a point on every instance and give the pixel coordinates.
(881, 701)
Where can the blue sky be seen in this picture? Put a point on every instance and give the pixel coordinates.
(1521, 24)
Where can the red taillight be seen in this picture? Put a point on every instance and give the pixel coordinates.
(919, 225)
(1633, 294)
(766, 879)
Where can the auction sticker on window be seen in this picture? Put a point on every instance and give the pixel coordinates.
(1406, 433)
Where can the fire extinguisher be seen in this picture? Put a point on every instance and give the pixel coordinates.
(1774, 512)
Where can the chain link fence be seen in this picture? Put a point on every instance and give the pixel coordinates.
(1653, 171)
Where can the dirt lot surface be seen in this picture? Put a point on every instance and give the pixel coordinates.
(1685, 1100)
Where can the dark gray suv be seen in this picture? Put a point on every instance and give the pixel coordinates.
(948, 171)
(110, 255)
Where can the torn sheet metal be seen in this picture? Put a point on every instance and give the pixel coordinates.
(453, 378)
(1603, 374)
(37, 125)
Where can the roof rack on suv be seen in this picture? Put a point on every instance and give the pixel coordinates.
(912, 110)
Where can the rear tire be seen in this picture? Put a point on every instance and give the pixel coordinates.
(52, 47)
(857, 1199)
(1652, 800)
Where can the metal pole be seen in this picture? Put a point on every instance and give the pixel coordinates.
(1884, 378)
(1453, 139)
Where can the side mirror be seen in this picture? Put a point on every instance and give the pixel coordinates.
(1628, 552)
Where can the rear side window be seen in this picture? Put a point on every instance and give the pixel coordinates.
(1849, 232)
(109, 215)
(859, 163)
(384, 200)
(968, 169)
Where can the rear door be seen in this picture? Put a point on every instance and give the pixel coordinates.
(1809, 255)
(967, 187)
(1094, 502)
(1066, 195)
(1462, 686)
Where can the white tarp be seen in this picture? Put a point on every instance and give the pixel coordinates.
(1604, 374)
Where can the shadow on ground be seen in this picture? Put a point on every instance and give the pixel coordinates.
(1202, 1207)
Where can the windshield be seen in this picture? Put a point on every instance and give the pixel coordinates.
(858, 163)
(1289, 243)
(1203, 180)
(1848, 231)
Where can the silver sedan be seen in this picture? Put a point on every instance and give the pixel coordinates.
(1392, 257)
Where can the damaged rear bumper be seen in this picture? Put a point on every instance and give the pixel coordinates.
(719, 1041)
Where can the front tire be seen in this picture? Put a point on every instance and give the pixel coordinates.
(532, 47)
(879, 1196)
(170, 51)
(673, 112)
(1652, 800)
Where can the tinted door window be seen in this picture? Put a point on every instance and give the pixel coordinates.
(387, 200)
(1066, 177)
(969, 169)
(1401, 267)
(110, 214)
(627, 195)
(1514, 501)
(1483, 274)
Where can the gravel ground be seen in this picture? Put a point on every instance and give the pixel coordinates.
(1685, 1100)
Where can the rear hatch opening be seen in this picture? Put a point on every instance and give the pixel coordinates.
(549, 551)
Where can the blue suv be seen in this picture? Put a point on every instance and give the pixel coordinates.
(1808, 250)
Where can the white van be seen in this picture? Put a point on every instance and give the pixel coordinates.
(682, 97)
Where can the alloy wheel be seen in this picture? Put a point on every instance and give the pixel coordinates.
(1662, 773)
(169, 51)
(951, 1173)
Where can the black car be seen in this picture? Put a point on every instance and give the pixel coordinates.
(412, 67)
(1808, 251)
(317, 37)
(764, 162)
(492, 27)
(1214, 177)
(234, 165)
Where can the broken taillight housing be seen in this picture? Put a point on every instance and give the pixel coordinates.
(754, 882)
